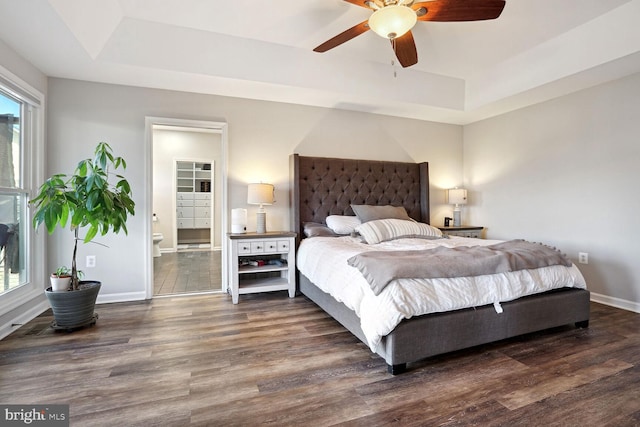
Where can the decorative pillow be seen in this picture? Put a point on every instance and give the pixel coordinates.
(313, 229)
(382, 230)
(370, 213)
(341, 224)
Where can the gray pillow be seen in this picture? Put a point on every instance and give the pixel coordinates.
(313, 229)
(366, 213)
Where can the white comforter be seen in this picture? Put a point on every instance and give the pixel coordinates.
(324, 261)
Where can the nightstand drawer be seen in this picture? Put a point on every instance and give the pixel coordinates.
(283, 245)
(244, 248)
(257, 247)
(463, 231)
(271, 246)
(262, 247)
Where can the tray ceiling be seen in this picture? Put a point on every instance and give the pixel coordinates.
(537, 50)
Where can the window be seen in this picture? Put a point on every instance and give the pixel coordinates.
(12, 196)
(20, 133)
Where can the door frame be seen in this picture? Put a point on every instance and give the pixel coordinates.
(222, 129)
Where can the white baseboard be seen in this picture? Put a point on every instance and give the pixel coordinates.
(23, 318)
(124, 297)
(616, 302)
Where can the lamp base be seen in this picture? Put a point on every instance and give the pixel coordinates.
(261, 222)
(456, 218)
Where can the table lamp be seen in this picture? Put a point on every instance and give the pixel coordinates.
(260, 194)
(457, 197)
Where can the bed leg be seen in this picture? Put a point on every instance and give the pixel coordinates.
(397, 369)
(582, 324)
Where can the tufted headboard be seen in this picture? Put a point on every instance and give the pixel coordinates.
(321, 186)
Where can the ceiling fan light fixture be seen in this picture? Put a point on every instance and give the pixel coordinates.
(392, 21)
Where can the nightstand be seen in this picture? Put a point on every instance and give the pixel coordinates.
(262, 262)
(463, 231)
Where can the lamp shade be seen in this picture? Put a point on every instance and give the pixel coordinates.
(260, 194)
(457, 196)
(392, 21)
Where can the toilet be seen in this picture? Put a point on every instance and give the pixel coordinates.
(157, 238)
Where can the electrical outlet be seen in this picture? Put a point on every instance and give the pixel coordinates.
(583, 258)
(91, 261)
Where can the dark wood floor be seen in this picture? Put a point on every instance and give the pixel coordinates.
(189, 271)
(200, 360)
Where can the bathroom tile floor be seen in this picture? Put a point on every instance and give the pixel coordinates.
(194, 246)
(187, 272)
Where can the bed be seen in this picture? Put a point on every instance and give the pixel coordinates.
(323, 187)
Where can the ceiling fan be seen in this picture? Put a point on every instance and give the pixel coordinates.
(394, 19)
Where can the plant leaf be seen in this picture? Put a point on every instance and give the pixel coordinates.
(91, 233)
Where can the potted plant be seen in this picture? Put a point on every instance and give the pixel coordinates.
(94, 197)
(60, 279)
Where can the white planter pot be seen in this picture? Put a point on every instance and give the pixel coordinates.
(60, 284)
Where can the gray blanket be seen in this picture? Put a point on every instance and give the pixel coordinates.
(381, 267)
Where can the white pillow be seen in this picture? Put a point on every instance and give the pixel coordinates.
(382, 230)
(342, 224)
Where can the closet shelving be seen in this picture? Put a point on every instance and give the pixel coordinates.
(193, 177)
(193, 201)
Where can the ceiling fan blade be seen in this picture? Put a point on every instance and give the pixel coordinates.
(405, 49)
(345, 36)
(361, 3)
(458, 10)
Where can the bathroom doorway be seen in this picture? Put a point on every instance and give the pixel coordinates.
(188, 201)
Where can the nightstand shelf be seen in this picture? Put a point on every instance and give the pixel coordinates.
(463, 231)
(274, 252)
(250, 286)
(261, 269)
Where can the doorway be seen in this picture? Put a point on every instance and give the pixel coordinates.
(187, 249)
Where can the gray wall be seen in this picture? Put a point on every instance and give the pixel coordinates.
(261, 135)
(17, 65)
(566, 172)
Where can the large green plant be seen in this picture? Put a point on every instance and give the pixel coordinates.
(88, 198)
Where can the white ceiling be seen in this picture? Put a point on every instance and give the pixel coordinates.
(536, 50)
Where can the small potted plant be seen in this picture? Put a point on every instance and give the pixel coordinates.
(60, 279)
(88, 198)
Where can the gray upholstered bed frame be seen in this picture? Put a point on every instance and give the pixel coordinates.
(326, 186)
